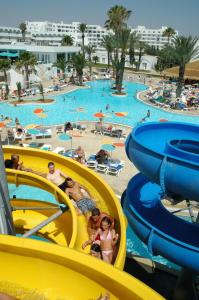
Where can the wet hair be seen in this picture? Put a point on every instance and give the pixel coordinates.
(95, 212)
(95, 247)
(8, 164)
(50, 164)
(68, 179)
(107, 220)
(14, 157)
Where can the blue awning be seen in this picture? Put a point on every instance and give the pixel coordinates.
(8, 54)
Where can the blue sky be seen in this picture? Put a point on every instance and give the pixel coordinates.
(179, 14)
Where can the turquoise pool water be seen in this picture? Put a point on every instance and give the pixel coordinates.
(92, 100)
(134, 244)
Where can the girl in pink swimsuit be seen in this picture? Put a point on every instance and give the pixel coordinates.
(106, 238)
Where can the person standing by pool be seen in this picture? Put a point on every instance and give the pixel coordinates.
(148, 113)
(107, 107)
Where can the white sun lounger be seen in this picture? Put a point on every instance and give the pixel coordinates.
(58, 150)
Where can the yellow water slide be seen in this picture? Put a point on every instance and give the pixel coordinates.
(75, 226)
(36, 270)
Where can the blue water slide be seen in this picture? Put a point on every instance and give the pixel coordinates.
(167, 155)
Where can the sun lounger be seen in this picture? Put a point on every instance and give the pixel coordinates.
(116, 133)
(91, 162)
(59, 129)
(58, 150)
(115, 167)
(46, 133)
(102, 168)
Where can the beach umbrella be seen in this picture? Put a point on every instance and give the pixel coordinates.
(38, 110)
(33, 131)
(31, 126)
(108, 147)
(65, 137)
(42, 115)
(2, 125)
(163, 120)
(119, 144)
(121, 114)
(99, 115)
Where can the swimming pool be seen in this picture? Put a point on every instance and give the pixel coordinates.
(134, 245)
(82, 104)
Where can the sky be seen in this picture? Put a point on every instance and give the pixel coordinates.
(181, 15)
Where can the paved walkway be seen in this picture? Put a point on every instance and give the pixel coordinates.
(91, 144)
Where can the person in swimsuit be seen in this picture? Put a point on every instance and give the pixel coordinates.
(17, 165)
(80, 155)
(81, 196)
(57, 177)
(107, 238)
(94, 221)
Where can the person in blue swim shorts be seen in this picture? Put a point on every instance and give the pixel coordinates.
(81, 196)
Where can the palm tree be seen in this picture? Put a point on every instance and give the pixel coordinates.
(61, 64)
(90, 49)
(23, 28)
(122, 40)
(82, 29)
(169, 32)
(185, 49)
(41, 90)
(26, 60)
(19, 88)
(141, 47)
(95, 59)
(117, 16)
(133, 40)
(107, 43)
(67, 40)
(79, 62)
(165, 58)
(5, 65)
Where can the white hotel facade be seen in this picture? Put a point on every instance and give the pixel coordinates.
(44, 40)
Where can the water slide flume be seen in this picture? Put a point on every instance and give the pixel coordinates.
(33, 270)
(167, 154)
(106, 199)
(62, 230)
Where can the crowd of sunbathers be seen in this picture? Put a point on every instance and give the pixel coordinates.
(102, 235)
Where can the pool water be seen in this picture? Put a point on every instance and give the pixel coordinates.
(134, 245)
(82, 104)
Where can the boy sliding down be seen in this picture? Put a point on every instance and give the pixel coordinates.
(80, 195)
